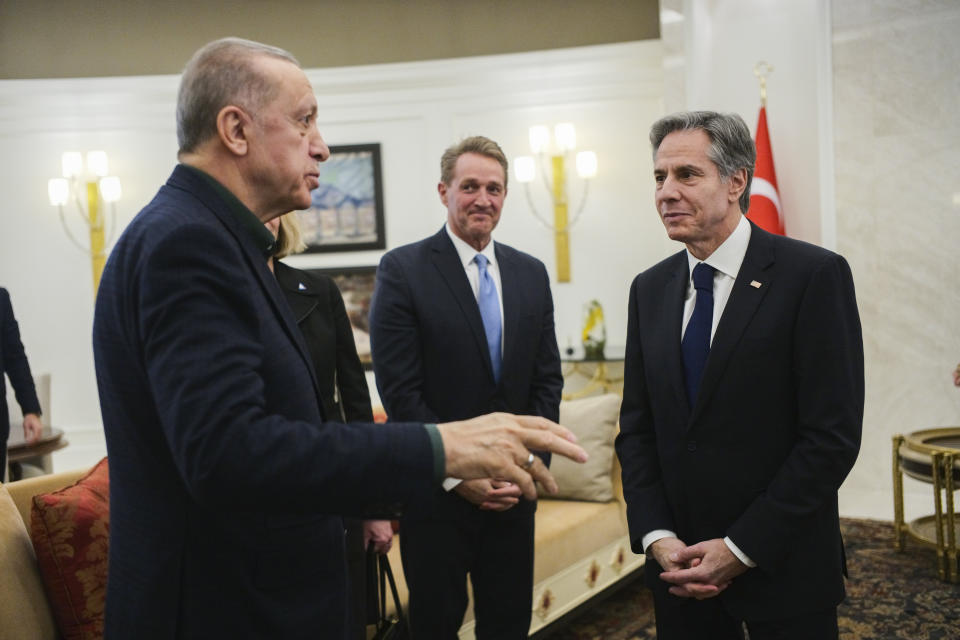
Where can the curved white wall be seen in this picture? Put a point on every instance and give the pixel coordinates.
(414, 111)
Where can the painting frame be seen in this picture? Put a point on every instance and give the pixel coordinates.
(346, 211)
(356, 285)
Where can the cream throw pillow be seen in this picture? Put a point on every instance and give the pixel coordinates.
(594, 421)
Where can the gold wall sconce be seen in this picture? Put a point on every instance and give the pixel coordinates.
(559, 147)
(88, 186)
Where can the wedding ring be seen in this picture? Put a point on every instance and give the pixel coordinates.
(529, 462)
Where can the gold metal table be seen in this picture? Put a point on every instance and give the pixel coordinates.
(587, 377)
(931, 456)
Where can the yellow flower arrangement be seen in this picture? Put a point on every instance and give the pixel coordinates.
(594, 331)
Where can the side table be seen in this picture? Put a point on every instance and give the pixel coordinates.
(931, 456)
(37, 453)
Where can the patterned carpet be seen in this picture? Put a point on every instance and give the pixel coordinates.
(890, 596)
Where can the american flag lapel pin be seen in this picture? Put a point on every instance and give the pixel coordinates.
(755, 284)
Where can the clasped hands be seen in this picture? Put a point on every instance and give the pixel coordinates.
(489, 495)
(700, 571)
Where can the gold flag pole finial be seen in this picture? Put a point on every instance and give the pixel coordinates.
(761, 69)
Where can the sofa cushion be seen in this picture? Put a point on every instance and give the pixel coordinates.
(70, 530)
(24, 611)
(594, 421)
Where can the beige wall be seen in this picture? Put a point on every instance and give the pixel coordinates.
(46, 39)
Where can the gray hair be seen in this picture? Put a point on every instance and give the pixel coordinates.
(731, 147)
(222, 73)
(474, 144)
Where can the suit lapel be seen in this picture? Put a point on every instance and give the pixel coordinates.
(512, 292)
(675, 291)
(447, 262)
(282, 310)
(256, 262)
(301, 301)
(745, 299)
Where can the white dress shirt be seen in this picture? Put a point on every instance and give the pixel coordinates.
(726, 260)
(467, 255)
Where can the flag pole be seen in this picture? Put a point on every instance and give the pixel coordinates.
(761, 69)
(765, 210)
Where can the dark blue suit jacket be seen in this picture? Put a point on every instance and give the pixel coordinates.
(13, 362)
(774, 431)
(223, 480)
(430, 352)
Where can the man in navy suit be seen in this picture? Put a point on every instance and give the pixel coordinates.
(226, 484)
(742, 406)
(13, 362)
(460, 326)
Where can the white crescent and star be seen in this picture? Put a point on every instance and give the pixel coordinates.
(762, 188)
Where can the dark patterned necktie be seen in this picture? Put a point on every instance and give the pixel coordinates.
(696, 341)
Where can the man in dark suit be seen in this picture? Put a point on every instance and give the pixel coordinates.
(225, 482)
(742, 406)
(461, 326)
(13, 362)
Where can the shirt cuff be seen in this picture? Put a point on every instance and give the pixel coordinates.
(439, 457)
(655, 535)
(450, 483)
(741, 556)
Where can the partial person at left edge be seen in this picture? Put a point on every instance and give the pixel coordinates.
(228, 482)
(13, 362)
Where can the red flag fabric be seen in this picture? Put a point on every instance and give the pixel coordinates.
(765, 210)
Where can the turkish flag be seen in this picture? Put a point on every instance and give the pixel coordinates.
(765, 210)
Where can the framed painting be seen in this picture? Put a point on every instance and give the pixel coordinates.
(346, 210)
(356, 287)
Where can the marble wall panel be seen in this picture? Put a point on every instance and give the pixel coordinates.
(897, 157)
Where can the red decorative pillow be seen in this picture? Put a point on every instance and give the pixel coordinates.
(70, 529)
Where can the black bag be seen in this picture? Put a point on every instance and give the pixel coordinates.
(392, 628)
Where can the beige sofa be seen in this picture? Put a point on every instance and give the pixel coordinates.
(25, 612)
(581, 545)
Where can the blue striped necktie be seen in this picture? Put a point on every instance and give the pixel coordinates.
(490, 313)
(696, 340)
